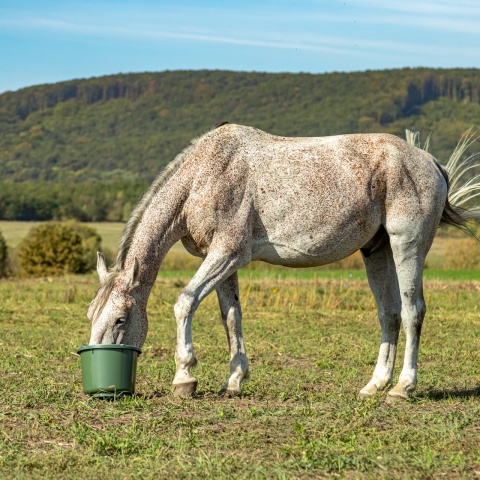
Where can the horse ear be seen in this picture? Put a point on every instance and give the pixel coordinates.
(132, 276)
(102, 269)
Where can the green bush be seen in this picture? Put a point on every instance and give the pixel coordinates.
(3, 256)
(57, 249)
(91, 244)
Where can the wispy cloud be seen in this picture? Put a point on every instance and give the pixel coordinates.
(273, 35)
(340, 45)
(459, 8)
(439, 15)
(262, 27)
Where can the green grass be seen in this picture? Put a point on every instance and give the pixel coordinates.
(312, 341)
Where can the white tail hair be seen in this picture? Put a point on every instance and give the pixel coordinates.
(461, 196)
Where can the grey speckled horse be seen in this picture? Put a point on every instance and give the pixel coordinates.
(238, 194)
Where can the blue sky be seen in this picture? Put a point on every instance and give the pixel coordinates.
(45, 41)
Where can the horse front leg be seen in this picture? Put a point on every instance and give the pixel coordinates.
(185, 384)
(215, 269)
(228, 299)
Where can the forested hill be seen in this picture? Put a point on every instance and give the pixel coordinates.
(59, 142)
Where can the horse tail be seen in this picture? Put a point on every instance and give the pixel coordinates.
(461, 206)
(453, 214)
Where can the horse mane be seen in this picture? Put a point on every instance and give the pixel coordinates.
(134, 220)
(136, 216)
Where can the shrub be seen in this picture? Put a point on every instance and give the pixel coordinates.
(91, 244)
(52, 249)
(3, 256)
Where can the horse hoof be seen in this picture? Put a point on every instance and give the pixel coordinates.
(367, 392)
(397, 394)
(185, 390)
(395, 398)
(362, 395)
(230, 392)
(233, 392)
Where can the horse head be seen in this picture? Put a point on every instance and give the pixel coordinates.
(117, 313)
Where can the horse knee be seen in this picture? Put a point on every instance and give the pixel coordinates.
(184, 306)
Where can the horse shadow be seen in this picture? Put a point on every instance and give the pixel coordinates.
(446, 394)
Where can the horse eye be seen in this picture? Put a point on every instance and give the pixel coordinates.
(120, 321)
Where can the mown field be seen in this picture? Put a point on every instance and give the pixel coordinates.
(443, 250)
(312, 340)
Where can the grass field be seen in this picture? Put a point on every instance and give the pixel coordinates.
(312, 341)
(15, 232)
(178, 258)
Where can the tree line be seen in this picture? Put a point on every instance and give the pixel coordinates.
(85, 202)
(86, 149)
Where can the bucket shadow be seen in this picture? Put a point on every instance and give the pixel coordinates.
(151, 395)
(136, 396)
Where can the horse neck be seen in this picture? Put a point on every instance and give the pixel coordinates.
(160, 228)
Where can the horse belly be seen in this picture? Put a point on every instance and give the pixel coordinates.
(313, 230)
(291, 256)
(304, 251)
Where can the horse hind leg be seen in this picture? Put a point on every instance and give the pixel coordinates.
(228, 299)
(382, 279)
(410, 243)
(409, 271)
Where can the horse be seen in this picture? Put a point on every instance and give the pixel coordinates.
(237, 194)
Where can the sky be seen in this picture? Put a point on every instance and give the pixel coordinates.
(47, 41)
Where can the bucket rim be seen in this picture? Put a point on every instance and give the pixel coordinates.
(108, 346)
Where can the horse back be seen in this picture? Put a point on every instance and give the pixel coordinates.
(322, 196)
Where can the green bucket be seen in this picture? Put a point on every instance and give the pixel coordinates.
(109, 371)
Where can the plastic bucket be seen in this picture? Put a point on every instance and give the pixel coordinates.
(109, 370)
